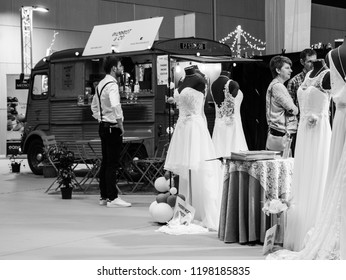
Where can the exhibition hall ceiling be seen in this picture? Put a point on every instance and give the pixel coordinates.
(332, 3)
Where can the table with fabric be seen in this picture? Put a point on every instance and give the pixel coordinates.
(246, 186)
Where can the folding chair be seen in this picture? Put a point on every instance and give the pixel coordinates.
(152, 167)
(51, 148)
(90, 159)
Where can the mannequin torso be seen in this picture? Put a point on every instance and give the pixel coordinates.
(319, 66)
(339, 58)
(193, 79)
(217, 88)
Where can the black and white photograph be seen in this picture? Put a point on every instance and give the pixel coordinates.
(148, 139)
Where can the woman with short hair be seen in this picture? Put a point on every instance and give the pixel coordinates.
(280, 109)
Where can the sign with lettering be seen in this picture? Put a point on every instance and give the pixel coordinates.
(123, 36)
(17, 98)
(22, 84)
(192, 46)
(269, 240)
(68, 72)
(162, 70)
(183, 211)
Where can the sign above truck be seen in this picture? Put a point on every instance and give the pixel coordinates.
(119, 37)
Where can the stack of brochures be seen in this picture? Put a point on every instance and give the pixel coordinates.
(255, 155)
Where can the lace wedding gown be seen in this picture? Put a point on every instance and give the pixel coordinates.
(327, 239)
(190, 147)
(228, 134)
(310, 162)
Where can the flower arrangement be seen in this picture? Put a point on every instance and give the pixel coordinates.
(312, 120)
(275, 205)
(64, 160)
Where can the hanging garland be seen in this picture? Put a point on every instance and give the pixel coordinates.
(250, 41)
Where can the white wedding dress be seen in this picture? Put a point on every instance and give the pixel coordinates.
(327, 239)
(310, 162)
(228, 134)
(190, 148)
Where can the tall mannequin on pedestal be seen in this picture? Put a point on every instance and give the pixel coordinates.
(312, 155)
(190, 147)
(328, 237)
(228, 134)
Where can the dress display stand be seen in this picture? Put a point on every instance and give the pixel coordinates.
(190, 148)
(228, 134)
(327, 239)
(311, 157)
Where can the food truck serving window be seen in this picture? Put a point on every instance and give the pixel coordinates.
(40, 86)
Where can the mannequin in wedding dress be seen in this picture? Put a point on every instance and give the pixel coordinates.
(191, 147)
(228, 135)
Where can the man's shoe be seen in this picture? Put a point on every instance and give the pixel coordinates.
(118, 202)
(103, 201)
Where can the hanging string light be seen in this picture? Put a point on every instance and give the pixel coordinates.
(250, 41)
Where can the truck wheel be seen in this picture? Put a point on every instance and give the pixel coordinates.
(35, 156)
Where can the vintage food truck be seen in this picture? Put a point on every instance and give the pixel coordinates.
(62, 85)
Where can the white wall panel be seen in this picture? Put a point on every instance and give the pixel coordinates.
(10, 44)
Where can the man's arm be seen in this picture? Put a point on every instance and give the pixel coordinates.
(95, 107)
(116, 106)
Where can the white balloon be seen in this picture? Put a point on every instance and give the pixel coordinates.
(161, 184)
(173, 190)
(162, 212)
(151, 207)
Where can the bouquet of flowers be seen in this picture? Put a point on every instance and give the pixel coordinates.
(275, 206)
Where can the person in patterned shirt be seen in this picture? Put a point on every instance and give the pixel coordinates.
(307, 56)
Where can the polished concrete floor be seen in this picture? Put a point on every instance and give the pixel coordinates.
(35, 225)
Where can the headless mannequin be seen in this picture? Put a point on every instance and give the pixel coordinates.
(335, 57)
(338, 55)
(319, 66)
(193, 79)
(217, 88)
(339, 58)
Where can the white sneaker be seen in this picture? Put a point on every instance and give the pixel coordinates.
(103, 202)
(118, 202)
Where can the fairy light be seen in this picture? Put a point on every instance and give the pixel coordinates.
(250, 41)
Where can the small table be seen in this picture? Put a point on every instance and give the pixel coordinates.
(89, 152)
(245, 186)
(126, 158)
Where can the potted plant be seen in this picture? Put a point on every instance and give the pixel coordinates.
(65, 160)
(15, 162)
